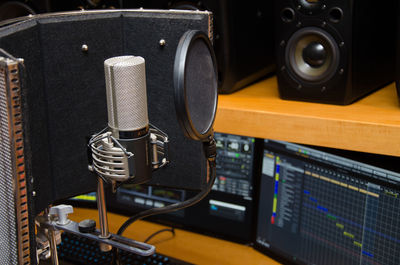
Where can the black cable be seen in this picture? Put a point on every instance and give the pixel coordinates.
(210, 152)
(172, 230)
(176, 206)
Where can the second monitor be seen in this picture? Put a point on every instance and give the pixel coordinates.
(228, 211)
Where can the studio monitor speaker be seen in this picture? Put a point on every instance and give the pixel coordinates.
(243, 37)
(54, 98)
(334, 51)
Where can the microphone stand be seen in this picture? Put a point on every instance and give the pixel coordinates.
(102, 209)
(101, 205)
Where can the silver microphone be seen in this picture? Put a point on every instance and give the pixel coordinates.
(129, 150)
(126, 94)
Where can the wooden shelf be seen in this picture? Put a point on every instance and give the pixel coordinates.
(187, 246)
(371, 124)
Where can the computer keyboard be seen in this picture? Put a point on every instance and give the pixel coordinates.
(78, 250)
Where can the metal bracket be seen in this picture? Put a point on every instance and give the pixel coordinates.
(159, 144)
(116, 241)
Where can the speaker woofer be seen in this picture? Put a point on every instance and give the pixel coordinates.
(312, 55)
(196, 84)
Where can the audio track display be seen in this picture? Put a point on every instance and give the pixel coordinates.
(328, 214)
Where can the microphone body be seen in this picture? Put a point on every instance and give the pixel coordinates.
(140, 166)
(127, 114)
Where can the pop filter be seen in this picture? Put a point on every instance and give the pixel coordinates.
(196, 84)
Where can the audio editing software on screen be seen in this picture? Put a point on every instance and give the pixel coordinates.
(227, 211)
(234, 175)
(319, 208)
(141, 197)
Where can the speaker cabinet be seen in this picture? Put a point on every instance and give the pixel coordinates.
(334, 51)
(243, 37)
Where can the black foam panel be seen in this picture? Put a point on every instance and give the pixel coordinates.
(65, 100)
(243, 42)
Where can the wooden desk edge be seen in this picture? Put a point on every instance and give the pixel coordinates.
(344, 127)
(188, 246)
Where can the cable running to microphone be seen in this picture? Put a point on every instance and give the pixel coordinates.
(211, 175)
(210, 151)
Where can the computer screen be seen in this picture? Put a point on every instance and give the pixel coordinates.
(227, 212)
(316, 207)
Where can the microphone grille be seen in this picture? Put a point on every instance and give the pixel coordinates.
(126, 93)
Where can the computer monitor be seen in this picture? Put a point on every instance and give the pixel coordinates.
(317, 207)
(227, 212)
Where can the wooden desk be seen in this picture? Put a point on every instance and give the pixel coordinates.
(187, 246)
(369, 125)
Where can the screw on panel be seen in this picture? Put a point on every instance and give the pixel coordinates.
(162, 42)
(85, 48)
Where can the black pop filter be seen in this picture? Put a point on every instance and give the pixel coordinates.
(196, 84)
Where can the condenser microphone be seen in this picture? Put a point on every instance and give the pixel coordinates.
(127, 112)
(129, 150)
(126, 96)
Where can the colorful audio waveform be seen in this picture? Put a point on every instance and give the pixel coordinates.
(275, 201)
(341, 226)
(355, 224)
(342, 184)
(346, 250)
(86, 197)
(340, 221)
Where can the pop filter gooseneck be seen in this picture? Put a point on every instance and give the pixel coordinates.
(196, 96)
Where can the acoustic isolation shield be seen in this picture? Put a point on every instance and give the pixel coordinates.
(334, 51)
(64, 99)
(15, 219)
(10, 9)
(243, 41)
